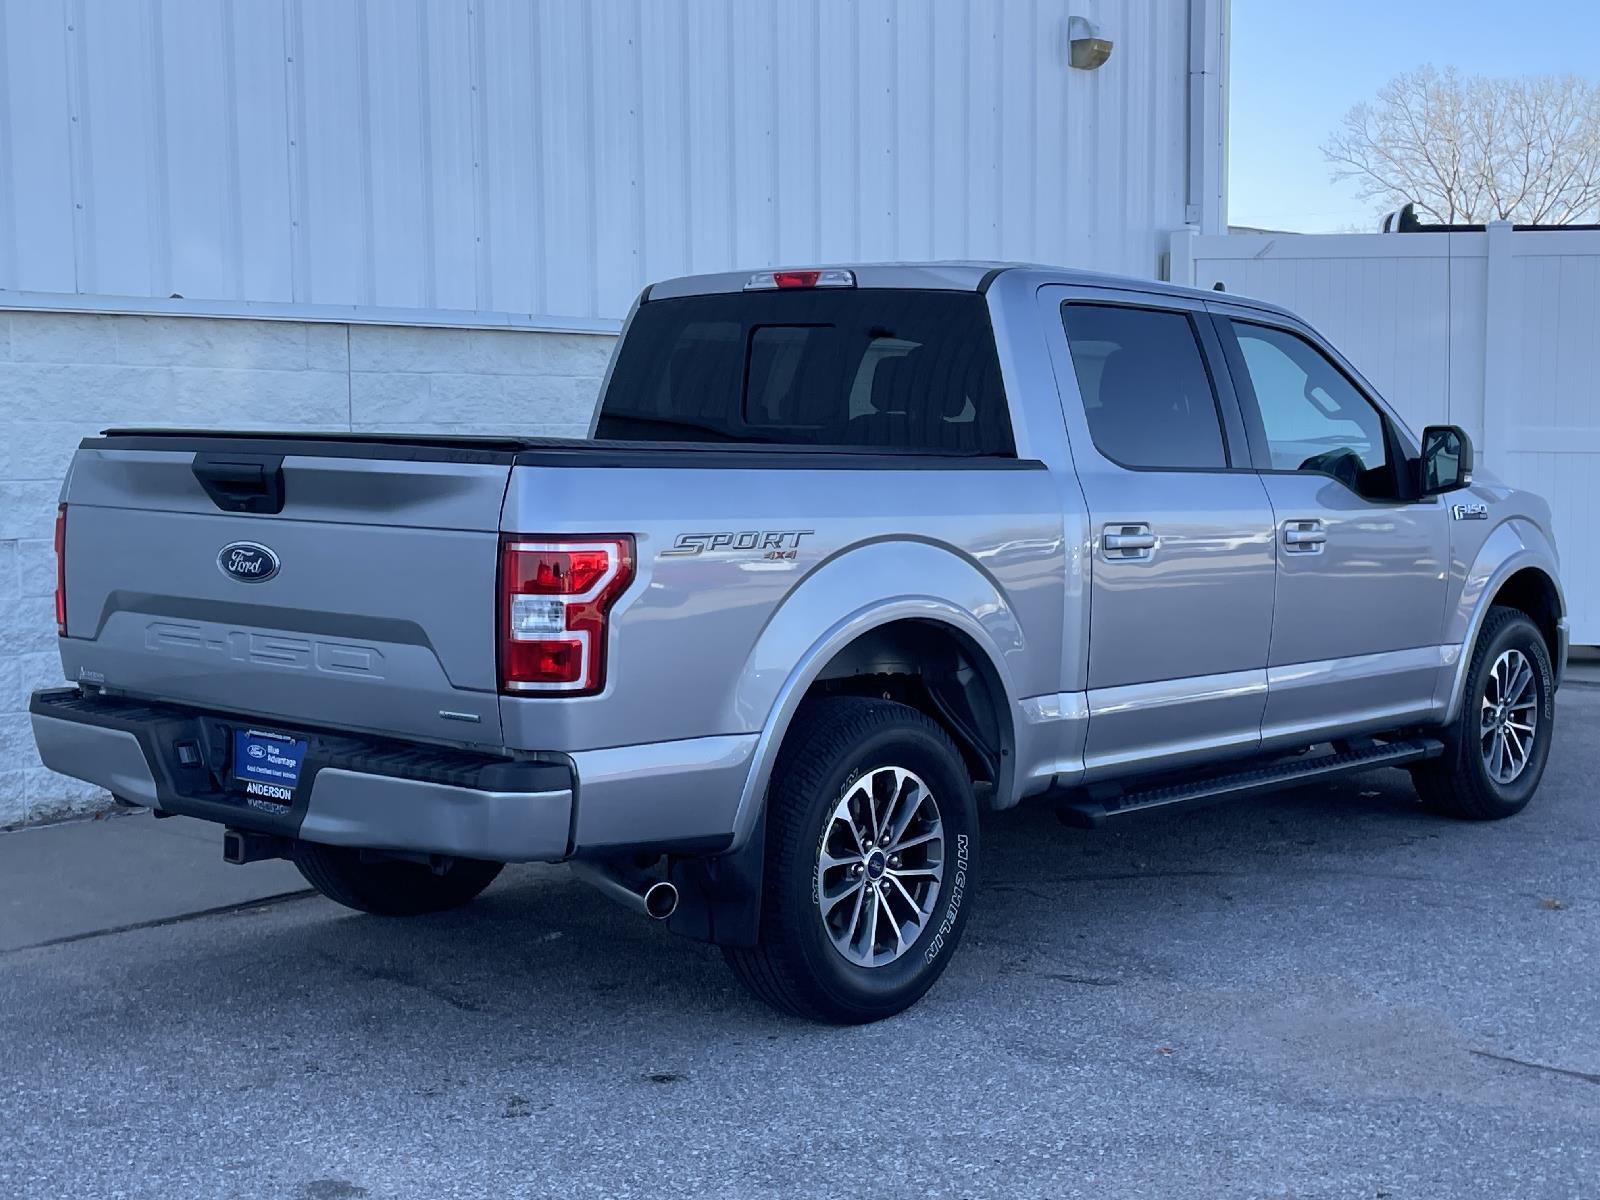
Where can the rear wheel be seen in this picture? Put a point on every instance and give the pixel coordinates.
(872, 836)
(391, 887)
(1495, 752)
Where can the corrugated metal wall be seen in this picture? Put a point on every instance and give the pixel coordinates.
(545, 159)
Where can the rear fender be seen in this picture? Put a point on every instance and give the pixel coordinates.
(858, 591)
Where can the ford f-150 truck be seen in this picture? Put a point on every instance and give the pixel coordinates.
(853, 553)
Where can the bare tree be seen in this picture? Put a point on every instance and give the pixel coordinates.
(1470, 149)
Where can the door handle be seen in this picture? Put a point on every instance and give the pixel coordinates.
(1304, 536)
(1121, 542)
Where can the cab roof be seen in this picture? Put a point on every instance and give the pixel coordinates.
(953, 276)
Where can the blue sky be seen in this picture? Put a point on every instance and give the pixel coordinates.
(1299, 65)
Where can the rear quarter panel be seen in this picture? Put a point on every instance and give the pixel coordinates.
(703, 644)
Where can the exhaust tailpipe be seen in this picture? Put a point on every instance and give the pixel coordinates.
(653, 898)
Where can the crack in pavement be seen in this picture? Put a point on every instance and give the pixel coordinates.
(399, 978)
(1244, 875)
(162, 922)
(1586, 1076)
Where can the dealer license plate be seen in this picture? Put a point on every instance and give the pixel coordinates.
(268, 764)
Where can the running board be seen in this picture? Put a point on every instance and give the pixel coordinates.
(1092, 812)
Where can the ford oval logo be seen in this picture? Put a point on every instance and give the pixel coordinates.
(248, 562)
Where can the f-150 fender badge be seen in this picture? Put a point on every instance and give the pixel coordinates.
(1470, 512)
(771, 543)
(248, 562)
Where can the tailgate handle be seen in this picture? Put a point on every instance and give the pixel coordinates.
(247, 483)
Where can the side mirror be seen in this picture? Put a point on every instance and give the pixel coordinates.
(1446, 460)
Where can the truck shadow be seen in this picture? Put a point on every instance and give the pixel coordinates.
(540, 955)
(1065, 919)
(1239, 972)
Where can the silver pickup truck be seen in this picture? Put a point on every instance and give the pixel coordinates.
(854, 553)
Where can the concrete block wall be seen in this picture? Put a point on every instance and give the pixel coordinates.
(66, 376)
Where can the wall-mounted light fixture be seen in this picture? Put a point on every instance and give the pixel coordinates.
(1086, 49)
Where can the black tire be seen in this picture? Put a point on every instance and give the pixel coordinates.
(1459, 782)
(390, 887)
(795, 967)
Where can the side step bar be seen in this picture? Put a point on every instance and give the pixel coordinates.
(1092, 812)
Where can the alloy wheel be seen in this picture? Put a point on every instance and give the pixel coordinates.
(1509, 716)
(879, 866)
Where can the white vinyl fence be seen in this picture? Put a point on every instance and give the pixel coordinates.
(1497, 331)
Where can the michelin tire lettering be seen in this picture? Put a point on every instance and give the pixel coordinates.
(957, 886)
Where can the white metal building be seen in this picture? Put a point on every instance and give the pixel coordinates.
(403, 214)
(534, 163)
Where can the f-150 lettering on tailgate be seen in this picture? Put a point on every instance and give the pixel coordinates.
(264, 649)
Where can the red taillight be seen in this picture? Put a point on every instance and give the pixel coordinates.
(61, 570)
(555, 594)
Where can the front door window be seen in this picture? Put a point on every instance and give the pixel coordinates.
(1311, 417)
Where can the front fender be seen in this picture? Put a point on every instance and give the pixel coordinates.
(857, 591)
(1513, 545)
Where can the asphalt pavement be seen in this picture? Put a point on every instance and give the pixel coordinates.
(1326, 993)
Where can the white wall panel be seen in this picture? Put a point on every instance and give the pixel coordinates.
(527, 160)
(449, 165)
(37, 250)
(117, 118)
(396, 67)
(331, 53)
(259, 251)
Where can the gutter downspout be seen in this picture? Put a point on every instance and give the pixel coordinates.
(1206, 184)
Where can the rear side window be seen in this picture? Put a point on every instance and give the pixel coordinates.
(891, 369)
(1145, 388)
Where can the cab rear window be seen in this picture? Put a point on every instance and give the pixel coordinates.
(895, 370)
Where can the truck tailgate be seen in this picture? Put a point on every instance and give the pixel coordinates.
(365, 602)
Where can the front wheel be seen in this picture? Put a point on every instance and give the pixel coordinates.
(872, 837)
(390, 887)
(1495, 752)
